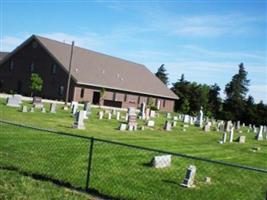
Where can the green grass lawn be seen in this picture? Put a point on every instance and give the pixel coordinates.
(123, 172)
(16, 186)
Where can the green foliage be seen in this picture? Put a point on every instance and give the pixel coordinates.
(162, 75)
(235, 107)
(36, 83)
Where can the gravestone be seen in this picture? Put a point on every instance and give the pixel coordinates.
(207, 127)
(229, 126)
(43, 110)
(231, 135)
(186, 119)
(174, 123)
(242, 139)
(161, 161)
(74, 107)
(32, 109)
(24, 109)
(189, 177)
(260, 135)
(175, 118)
(224, 138)
(132, 125)
(191, 120)
(109, 116)
(79, 117)
(158, 104)
(126, 117)
(238, 125)
(101, 114)
(14, 101)
(152, 113)
(37, 102)
(168, 115)
(147, 113)
(168, 126)
(199, 121)
(123, 127)
(53, 107)
(87, 109)
(118, 114)
(143, 110)
(151, 123)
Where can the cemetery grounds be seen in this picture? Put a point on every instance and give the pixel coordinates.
(122, 171)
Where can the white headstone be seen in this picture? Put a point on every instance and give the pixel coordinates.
(168, 126)
(109, 115)
(231, 135)
(151, 123)
(53, 108)
(260, 135)
(242, 139)
(101, 113)
(161, 161)
(118, 114)
(43, 109)
(199, 121)
(224, 138)
(152, 113)
(186, 119)
(14, 101)
(174, 123)
(24, 109)
(74, 107)
(123, 127)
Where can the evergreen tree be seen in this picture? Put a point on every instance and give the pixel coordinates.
(162, 75)
(236, 91)
(214, 101)
(36, 83)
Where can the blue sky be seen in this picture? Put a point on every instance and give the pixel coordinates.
(205, 40)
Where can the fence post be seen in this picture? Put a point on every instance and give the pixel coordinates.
(89, 164)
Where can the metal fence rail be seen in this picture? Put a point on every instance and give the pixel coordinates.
(121, 171)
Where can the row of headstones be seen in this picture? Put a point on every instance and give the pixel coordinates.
(53, 107)
(164, 161)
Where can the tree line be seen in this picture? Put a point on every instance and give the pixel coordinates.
(237, 106)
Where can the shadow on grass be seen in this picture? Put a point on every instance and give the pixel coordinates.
(91, 191)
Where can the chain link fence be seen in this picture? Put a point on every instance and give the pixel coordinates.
(113, 170)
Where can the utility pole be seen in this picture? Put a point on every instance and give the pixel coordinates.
(69, 76)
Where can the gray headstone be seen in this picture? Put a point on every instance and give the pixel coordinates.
(168, 126)
(101, 114)
(260, 135)
(79, 117)
(162, 161)
(123, 127)
(53, 107)
(24, 109)
(189, 177)
(14, 101)
(231, 135)
(37, 102)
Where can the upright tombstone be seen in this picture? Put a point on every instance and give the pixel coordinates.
(260, 135)
(161, 161)
(238, 125)
(24, 109)
(79, 117)
(32, 109)
(228, 126)
(109, 116)
(175, 118)
(43, 110)
(242, 139)
(186, 119)
(168, 115)
(158, 104)
(199, 121)
(168, 126)
(123, 127)
(53, 107)
(150, 123)
(143, 110)
(189, 177)
(132, 125)
(101, 114)
(231, 135)
(118, 114)
(74, 107)
(87, 109)
(174, 123)
(224, 138)
(14, 101)
(207, 127)
(152, 113)
(37, 102)
(147, 113)
(191, 119)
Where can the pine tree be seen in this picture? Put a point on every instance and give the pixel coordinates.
(162, 75)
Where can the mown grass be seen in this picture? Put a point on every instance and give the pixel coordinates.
(16, 186)
(123, 172)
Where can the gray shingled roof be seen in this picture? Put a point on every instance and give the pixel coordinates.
(3, 54)
(97, 69)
